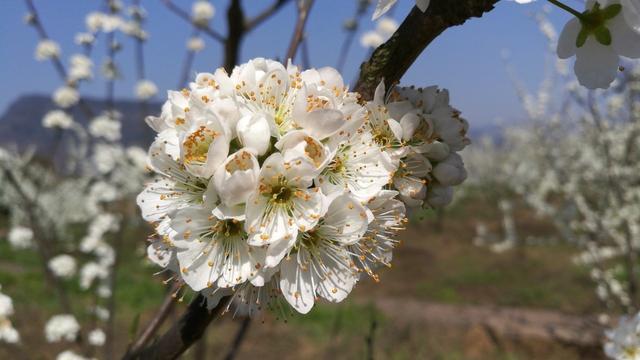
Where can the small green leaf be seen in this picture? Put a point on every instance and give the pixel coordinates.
(582, 37)
(611, 11)
(603, 35)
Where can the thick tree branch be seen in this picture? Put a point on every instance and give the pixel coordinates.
(392, 59)
(235, 22)
(184, 333)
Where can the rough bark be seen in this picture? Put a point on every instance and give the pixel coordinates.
(392, 59)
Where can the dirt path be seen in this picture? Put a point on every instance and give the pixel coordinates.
(499, 324)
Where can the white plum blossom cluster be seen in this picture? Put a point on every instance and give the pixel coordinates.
(8, 333)
(70, 355)
(280, 183)
(63, 327)
(623, 341)
(20, 237)
(63, 266)
(202, 11)
(577, 164)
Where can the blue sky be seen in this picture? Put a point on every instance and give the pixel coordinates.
(466, 60)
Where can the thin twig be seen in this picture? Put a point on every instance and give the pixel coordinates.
(152, 328)
(303, 14)
(239, 338)
(371, 337)
(57, 63)
(187, 64)
(264, 15)
(183, 333)
(185, 16)
(361, 9)
(139, 56)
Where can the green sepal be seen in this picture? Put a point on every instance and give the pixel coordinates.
(603, 35)
(583, 35)
(611, 11)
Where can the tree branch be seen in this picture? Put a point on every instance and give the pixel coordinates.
(239, 338)
(57, 63)
(167, 305)
(235, 22)
(264, 15)
(185, 16)
(392, 59)
(298, 33)
(184, 333)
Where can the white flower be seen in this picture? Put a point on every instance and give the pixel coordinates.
(211, 249)
(371, 39)
(47, 49)
(66, 96)
(61, 327)
(610, 30)
(386, 27)
(97, 337)
(81, 67)
(84, 39)
(134, 29)
(137, 156)
(20, 237)
(282, 206)
(319, 263)
(146, 89)
(106, 157)
(359, 167)
(63, 266)
(237, 178)
(384, 5)
(623, 342)
(205, 145)
(101, 313)
(376, 247)
(105, 126)
(6, 306)
(8, 333)
(57, 119)
(195, 44)
(176, 190)
(97, 21)
(91, 271)
(202, 11)
(70, 355)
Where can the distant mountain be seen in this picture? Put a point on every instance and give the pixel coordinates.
(21, 124)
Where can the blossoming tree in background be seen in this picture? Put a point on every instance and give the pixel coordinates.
(576, 163)
(275, 185)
